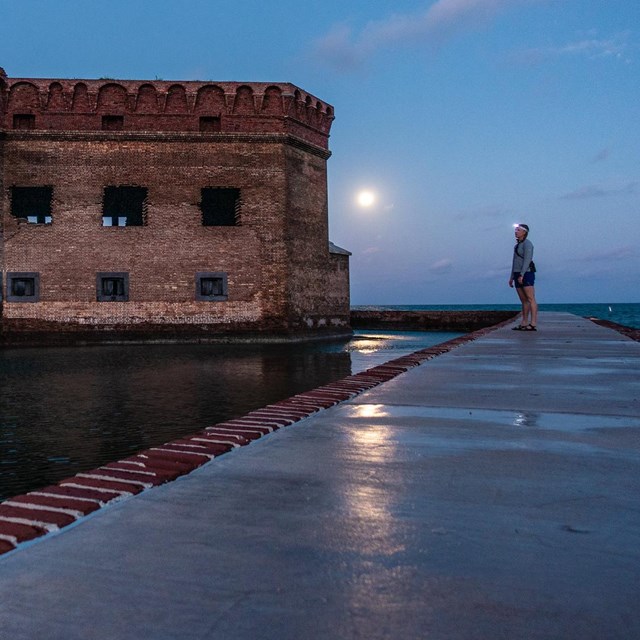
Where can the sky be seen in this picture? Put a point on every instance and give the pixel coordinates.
(458, 117)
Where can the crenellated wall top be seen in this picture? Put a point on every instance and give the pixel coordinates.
(160, 105)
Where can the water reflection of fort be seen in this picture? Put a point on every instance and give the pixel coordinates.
(64, 410)
(67, 410)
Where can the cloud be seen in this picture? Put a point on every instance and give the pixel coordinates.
(619, 253)
(344, 49)
(442, 266)
(593, 48)
(616, 48)
(594, 191)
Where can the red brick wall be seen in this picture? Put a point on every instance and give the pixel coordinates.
(3, 95)
(318, 282)
(272, 146)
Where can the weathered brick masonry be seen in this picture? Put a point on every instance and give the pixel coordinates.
(104, 225)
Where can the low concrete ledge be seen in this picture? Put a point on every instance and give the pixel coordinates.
(462, 321)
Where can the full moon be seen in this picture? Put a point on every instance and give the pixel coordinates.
(366, 198)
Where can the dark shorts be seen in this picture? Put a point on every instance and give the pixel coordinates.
(528, 280)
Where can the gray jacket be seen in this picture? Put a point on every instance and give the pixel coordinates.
(522, 257)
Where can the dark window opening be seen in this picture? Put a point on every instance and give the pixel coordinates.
(24, 121)
(210, 124)
(112, 123)
(124, 207)
(220, 207)
(211, 286)
(23, 287)
(112, 287)
(32, 204)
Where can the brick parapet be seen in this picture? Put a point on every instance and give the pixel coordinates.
(248, 107)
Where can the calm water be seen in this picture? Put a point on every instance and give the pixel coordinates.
(65, 410)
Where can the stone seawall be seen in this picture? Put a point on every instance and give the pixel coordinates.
(52, 334)
(462, 321)
(48, 334)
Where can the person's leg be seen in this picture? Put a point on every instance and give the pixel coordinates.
(526, 307)
(530, 295)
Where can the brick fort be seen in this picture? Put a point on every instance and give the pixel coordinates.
(138, 209)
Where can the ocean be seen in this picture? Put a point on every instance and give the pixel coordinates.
(627, 314)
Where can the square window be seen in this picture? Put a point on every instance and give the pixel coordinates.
(211, 286)
(112, 286)
(24, 121)
(210, 124)
(23, 287)
(32, 204)
(124, 206)
(112, 123)
(220, 206)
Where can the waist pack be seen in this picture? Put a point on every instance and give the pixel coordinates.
(532, 266)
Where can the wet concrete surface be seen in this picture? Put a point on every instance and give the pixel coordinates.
(489, 493)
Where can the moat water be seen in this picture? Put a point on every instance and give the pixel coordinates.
(67, 410)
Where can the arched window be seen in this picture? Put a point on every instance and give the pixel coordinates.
(210, 101)
(24, 101)
(56, 100)
(147, 99)
(244, 104)
(176, 100)
(112, 98)
(80, 101)
(272, 102)
(24, 97)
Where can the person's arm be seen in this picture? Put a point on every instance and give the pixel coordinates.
(513, 268)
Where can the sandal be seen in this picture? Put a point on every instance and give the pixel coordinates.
(520, 327)
(529, 327)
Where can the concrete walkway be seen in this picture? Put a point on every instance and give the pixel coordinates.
(490, 493)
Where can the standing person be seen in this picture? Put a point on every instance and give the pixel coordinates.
(523, 278)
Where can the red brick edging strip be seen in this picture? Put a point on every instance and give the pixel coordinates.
(47, 510)
(630, 332)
